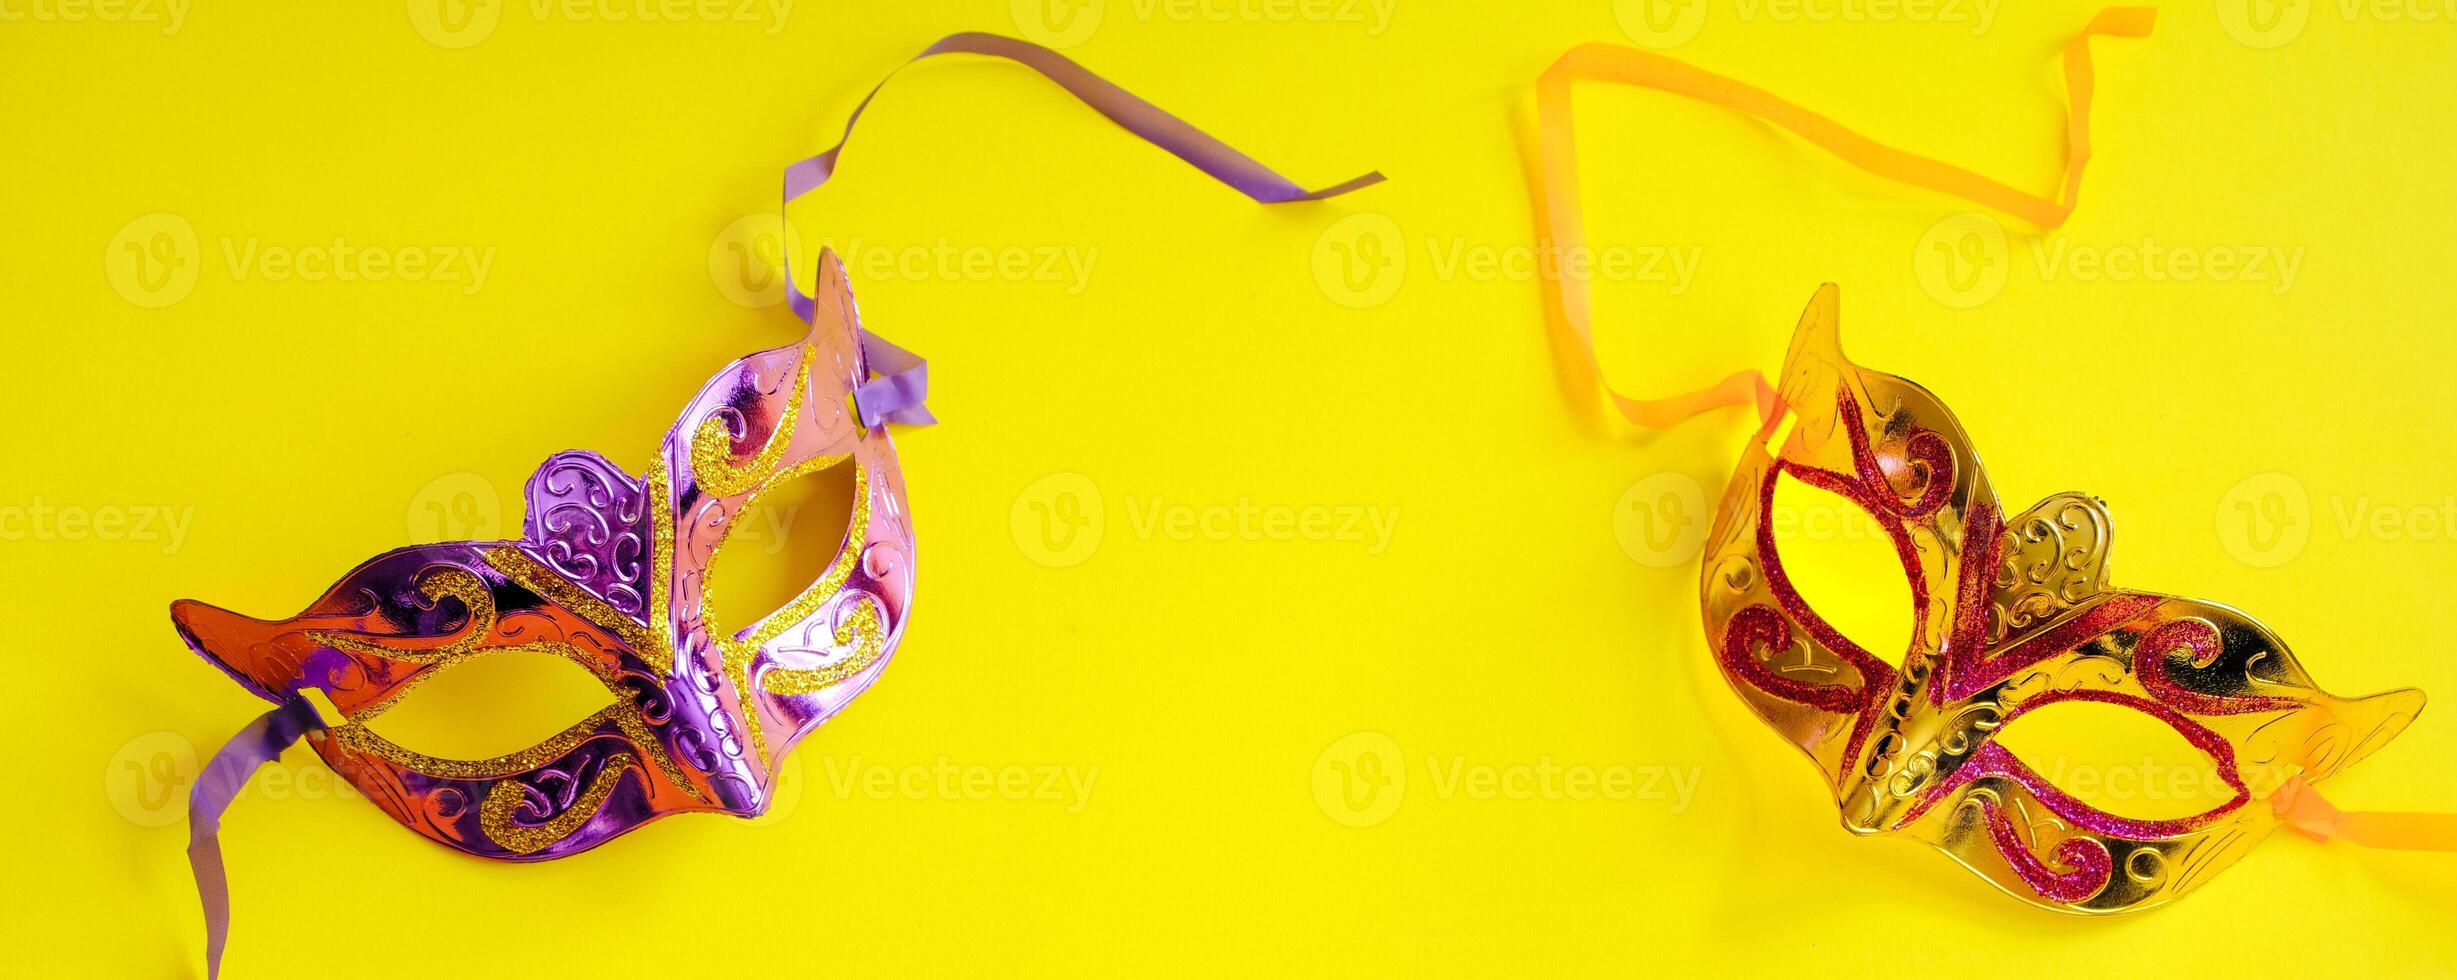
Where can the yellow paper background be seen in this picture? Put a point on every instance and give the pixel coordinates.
(1211, 685)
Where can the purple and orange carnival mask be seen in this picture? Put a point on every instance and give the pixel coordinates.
(610, 573)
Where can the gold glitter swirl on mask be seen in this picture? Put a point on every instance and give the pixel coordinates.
(862, 631)
(653, 649)
(504, 800)
(712, 454)
(661, 559)
(737, 652)
(437, 583)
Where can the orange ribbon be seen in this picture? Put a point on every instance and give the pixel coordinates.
(1557, 198)
(2306, 813)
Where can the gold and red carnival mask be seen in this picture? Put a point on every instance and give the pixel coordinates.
(2010, 615)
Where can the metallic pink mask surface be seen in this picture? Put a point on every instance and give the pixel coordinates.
(611, 573)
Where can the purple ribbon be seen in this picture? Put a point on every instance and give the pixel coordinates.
(897, 395)
(903, 383)
(260, 742)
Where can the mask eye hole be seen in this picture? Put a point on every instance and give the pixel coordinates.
(2118, 760)
(490, 705)
(784, 539)
(1844, 564)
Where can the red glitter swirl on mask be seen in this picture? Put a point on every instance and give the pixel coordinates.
(1970, 668)
(1924, 452)
(2150, 667)
(1759, 626)
(1966, 647)
(2092, 866)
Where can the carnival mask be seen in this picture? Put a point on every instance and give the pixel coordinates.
(704, 697)
(2009, 615)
